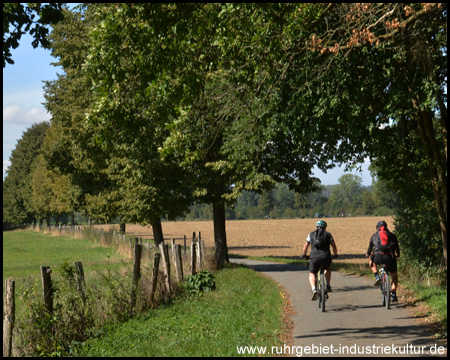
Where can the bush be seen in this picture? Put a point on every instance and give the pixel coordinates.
(199, 283)
(418, 231)
(44, 333)
(76, 316)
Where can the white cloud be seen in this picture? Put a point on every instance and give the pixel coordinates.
(16, 94)
(16, 114)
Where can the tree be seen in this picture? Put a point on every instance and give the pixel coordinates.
(368, 202)
(69, 147)
(363, 79)
(16, 15)
(133, 104)
(50, 191)
(17, 193)
(266, 203)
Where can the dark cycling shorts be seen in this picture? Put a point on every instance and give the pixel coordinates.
(316, 262)
(389, 260)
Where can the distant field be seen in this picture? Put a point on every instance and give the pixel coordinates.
(275, 237)
(25, 251)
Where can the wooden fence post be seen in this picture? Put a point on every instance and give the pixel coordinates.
(166, 264)
(193, 257)
(199, 251)
(202, 245)
(80, 280)
(136, 271)
(173, 251)
(178, 263)
(154, 276)
(47, 287)
(184, 251)
(9, 314)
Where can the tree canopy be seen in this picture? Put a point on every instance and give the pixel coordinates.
(19, 19)
(164, 105)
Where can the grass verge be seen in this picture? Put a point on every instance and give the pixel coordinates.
(245, 310)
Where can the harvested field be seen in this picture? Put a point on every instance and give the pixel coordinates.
(281, 238)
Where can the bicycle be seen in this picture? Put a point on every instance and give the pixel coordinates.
(321, 285)
(385, 287)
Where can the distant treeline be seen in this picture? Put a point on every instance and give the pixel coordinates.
(348, 198)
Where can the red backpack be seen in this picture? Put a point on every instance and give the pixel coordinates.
(384, 241)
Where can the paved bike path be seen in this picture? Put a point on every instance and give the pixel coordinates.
(354, 324)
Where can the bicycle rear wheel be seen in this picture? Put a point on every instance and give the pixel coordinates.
(383, 288)
(322, 292)
(387, 291)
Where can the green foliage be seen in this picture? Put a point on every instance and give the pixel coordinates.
(19, 19)
(70, 148)
(75, 317)
(17, 191)
(417, 228)
(44, 333)
(199, 283)
(242, 96)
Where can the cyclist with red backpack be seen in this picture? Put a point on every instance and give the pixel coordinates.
(385, 251)
(320, 241)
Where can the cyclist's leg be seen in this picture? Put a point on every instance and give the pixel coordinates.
(394, 282)
(373, 265)
(327, 265)
(376, 260)
(392, 268)
(328, 275)
(313, 270)
(312, 280)
(314, 267)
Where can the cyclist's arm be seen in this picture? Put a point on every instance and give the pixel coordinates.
(396, 247)
(335, 252)
(369, 249)
(305, 248)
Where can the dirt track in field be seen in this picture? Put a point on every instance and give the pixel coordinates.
(284, 238)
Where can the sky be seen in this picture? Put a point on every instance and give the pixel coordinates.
(23, 98)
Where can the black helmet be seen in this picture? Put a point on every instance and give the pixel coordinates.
(381, 223)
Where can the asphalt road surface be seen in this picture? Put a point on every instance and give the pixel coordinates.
(354, 324)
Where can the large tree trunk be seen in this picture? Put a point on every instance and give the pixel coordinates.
(436, 169)
(220, 236)
(157, 232)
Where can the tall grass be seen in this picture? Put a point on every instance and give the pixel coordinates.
(245, 309)
(76, 316)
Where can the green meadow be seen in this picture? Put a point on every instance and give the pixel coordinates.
(25, 251)
(244, 309)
